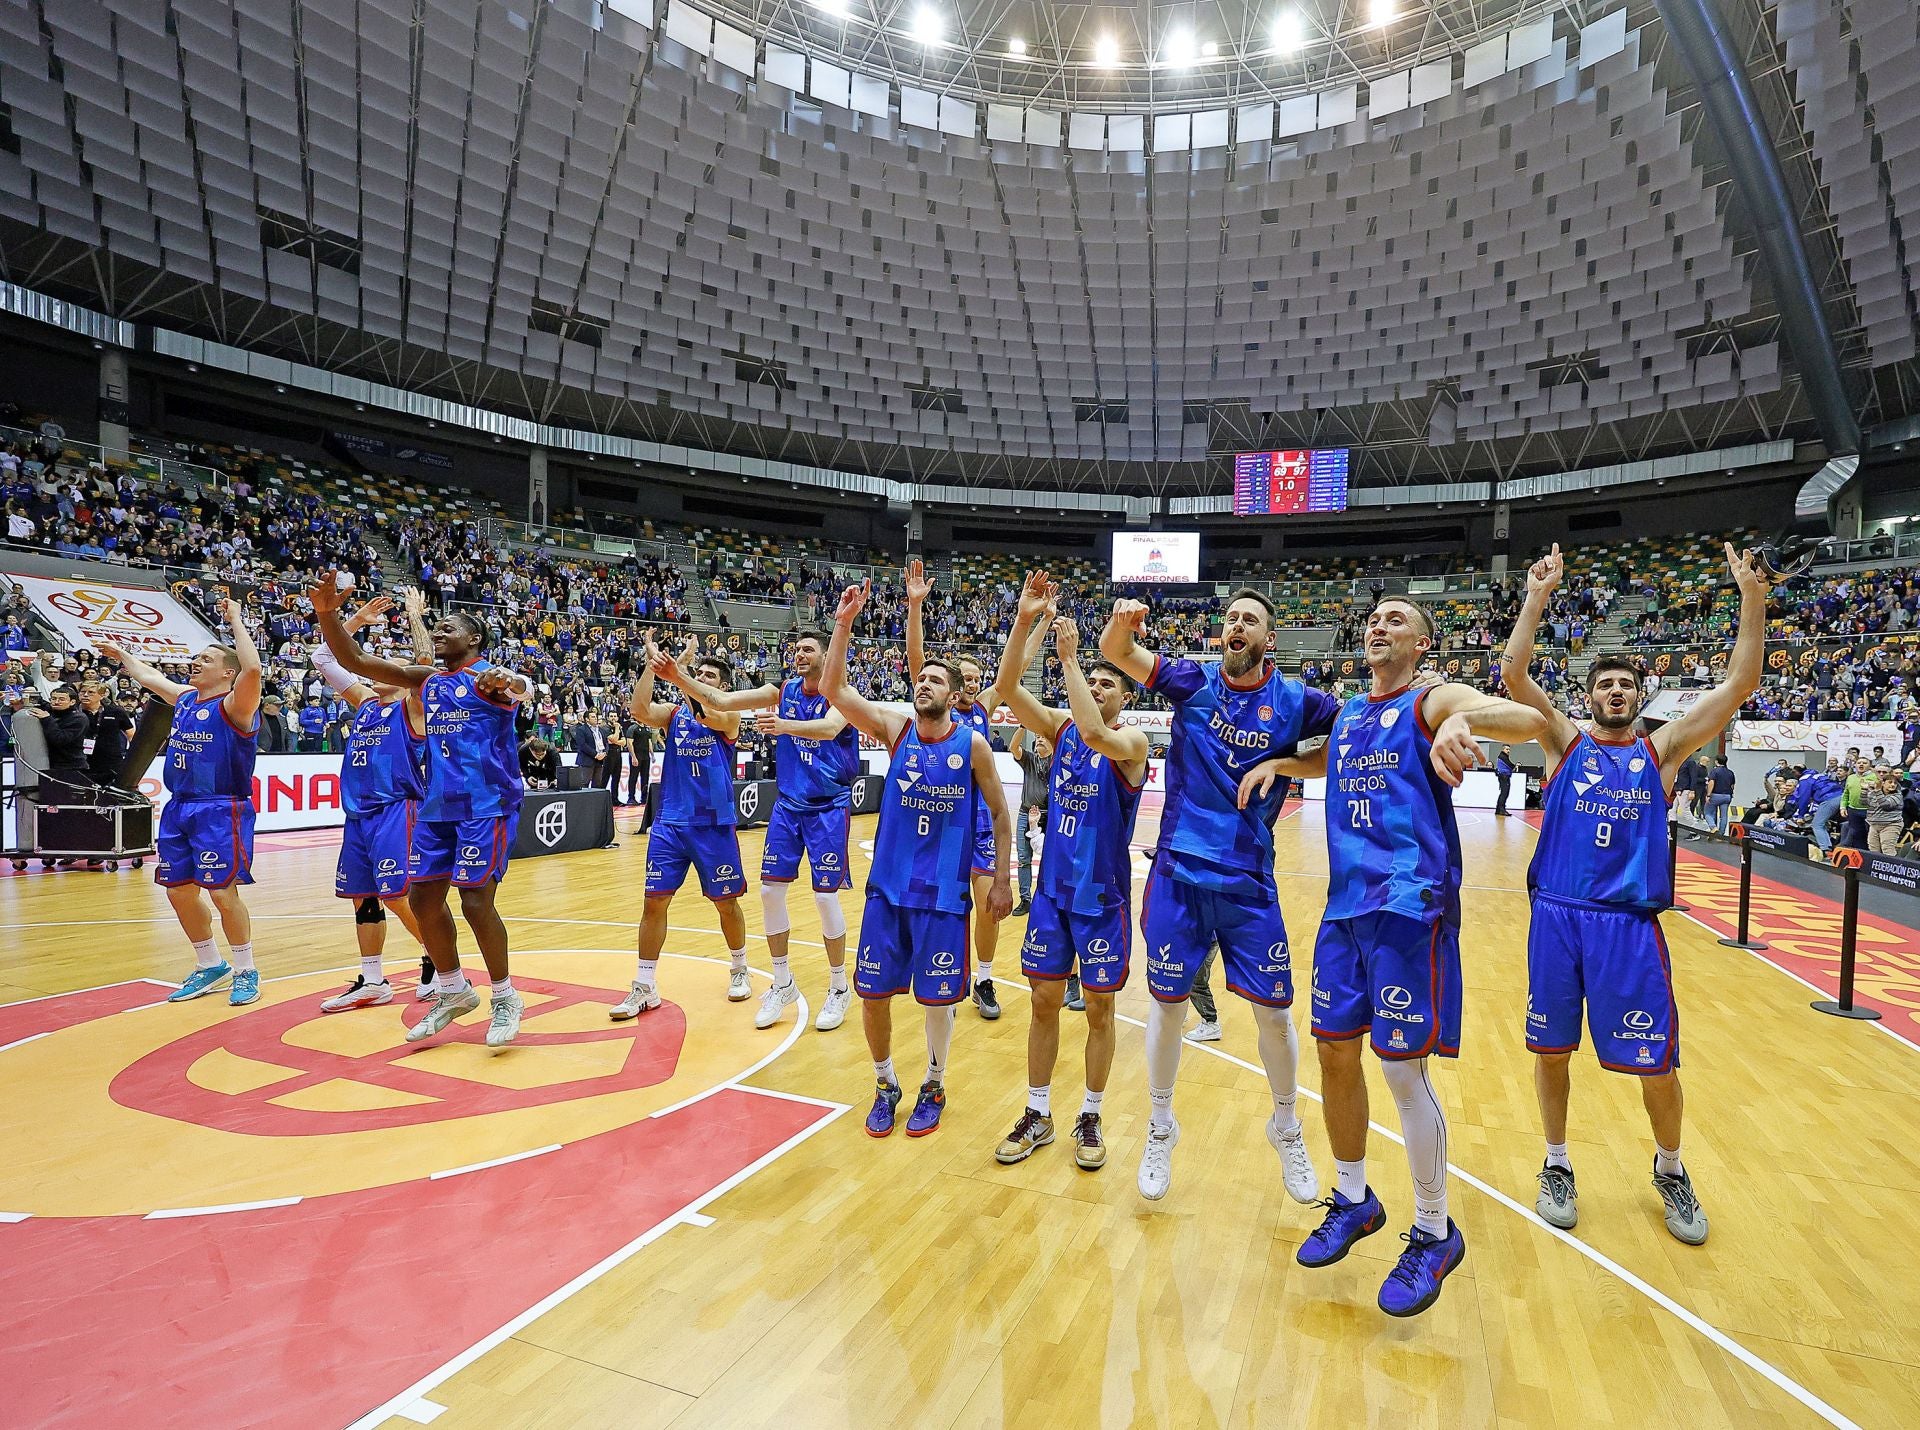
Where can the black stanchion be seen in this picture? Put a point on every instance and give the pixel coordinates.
(1673, 863)
(1844, 1006)
(1746, 893)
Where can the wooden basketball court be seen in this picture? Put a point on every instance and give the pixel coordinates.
(261, 1217)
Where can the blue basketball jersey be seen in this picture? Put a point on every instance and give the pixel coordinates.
(813, 775)
(923, 848)
(1392, 843)
(208, 756)
(1086, 862)
(975, 717)
(385, 761)
(696, 775)
(473, 760)
(1219, 733)
(1603, 828)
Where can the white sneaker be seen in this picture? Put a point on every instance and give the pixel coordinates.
(446, 1007)
(504, 1026)
(739, 986)
(773, 1001)
(637, 1001)
(1156, 1163)
(361, 994)
(1296, 1167)
(1205, 1033)
(833, 1012)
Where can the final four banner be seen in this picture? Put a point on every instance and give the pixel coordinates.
(148, 623)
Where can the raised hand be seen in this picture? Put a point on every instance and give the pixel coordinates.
(1036, 595)
(853, 601)
(919, 587)
(1131, 615)
(1066, 638)
(1748, 574)
(369, 613)
(1543, 577)
(416, 603)
(112, 651)
(325, 594)
(233, 613)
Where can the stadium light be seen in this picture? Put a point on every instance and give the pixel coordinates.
(1106, 50)
(1384, 11)
(832, 7)
(928, 27)
(1286, 32)
(1179, 48)
(1210, 50)
(1017, 47)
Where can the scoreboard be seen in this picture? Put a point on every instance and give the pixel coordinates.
(1280, 483)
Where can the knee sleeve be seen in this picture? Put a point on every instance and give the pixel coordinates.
(833, 923)
(773, 906)
(369, 911)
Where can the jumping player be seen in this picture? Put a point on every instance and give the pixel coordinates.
(1387, 961)
(816, 756)
(206, 828)
(1599, 879)
(382, 781)
(696, 822)
(913, 930)
(1081, 911)
(1212, 875)
(464, 834)
(974, 709)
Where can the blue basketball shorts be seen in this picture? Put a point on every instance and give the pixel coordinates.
(984, 861)
(1057, 939)
(470, 852)
(1395, 977)
(376, 852)
(208, 842)
(713, 850)
(820, 834)
(922, 951)
(1179, 921)
(1615, 960)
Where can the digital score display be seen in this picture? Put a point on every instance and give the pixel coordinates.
(1281, 483)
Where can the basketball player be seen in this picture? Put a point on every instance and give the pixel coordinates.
(816, 756)
(464, 834)
(696, 822)
(1387, 961)
(1081, 910)
(205, 840)
(382, 781)
(1599, 879)
(974, 709)
(913, 930)
(1212, 875)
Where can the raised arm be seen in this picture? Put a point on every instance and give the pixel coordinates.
(1679, 739)
(918, 589)
(1456, 714)
(143, 674)
(1119, 642)
(642, 706)
(866, 717)
(243, 701)
(327, 598)
(1543, 579)
(1036, 598)
(339, 680)
(1128, 747)
(417, 630)
(1000, 692)
(711, 697)
(986, 778)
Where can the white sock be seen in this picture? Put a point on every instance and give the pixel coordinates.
(939, 1041)
(206, 953)
(1666, 1163)
(1350, 1179)
(1164, 1021)
(883, 1070)
(1040, 1099)
(242, 957)
(781, 976)
(738, 958)
(1091, 1102)
(371, 970)
(503, 988)
(1557, 1156)
(451, 985)
(1424, 1126)
(983, 971)
(837, 979)
(1280, 1052)
(645, 974)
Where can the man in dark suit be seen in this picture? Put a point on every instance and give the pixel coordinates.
(1503, 774)
(589, 744)
(639, 762)
(616, 751)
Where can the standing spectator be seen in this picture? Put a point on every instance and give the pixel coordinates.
(1824, 801)
(1853, 809)
(616, 751)
(66, 779)
(589, 743)
(1885, 809)
(1503, 773)
(1689, 784)
(108, 726)
(275, 739)
(313, 726)
(1034, 755)
(1719, 795)
(639, 763)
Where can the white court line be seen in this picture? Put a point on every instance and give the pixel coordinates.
(173, 1212)
(586, 1278)
(10, 1218)
(699, 1219)
(496, 1162)
(421, 1412)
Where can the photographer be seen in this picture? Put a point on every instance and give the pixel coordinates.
(539, 764)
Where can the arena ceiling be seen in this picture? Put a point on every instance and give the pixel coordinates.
(1484, 237)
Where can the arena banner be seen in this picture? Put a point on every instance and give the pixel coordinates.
(1882, 868)
(1470, 667)
(289, 792)
(1836, 737)
(148, 623)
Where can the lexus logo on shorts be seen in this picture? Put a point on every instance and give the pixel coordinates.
(724, 871)
(469, 853)
(1396, 997)
(209, 858)
(944, 959)
(749, 800)
(1639, 1019)
(1099, 947)
(829, 860)
(1277, 953)
(550, 824)
(389, 866)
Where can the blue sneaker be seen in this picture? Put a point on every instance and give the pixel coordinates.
(1344, 1224)
(200, 983)
(926, 1111)
(885, 1099)
(1414, 1283)
(246, 987)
